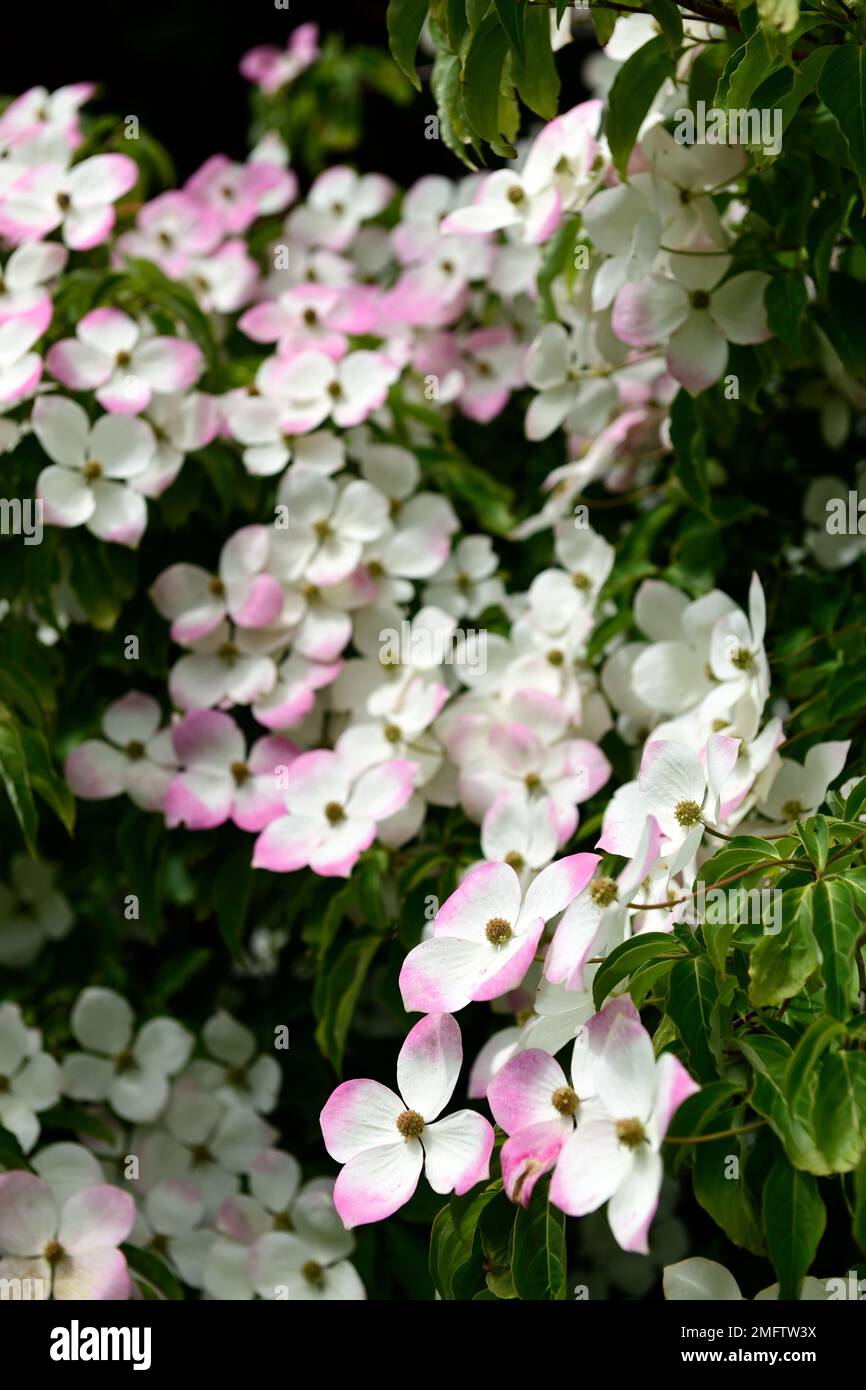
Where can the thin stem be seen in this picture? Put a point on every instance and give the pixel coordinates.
(820, 637)
(624, 499)
(861, 970)
(718, 1134)
(845, 849)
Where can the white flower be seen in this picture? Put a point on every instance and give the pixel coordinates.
(32, 912)
(130, 1073)
(86, 484)
(31, 1080)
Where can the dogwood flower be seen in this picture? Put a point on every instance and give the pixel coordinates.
(110, 355)
(485, 935)
(328, 527)
(233, 1070)
(520, 830)
(336, 205)
(694, 315)
(25, 275)
(71, 1249)
(20, 366)
(227, 666)
(614, 1154)
(131, 1073)
(32, 912)
(79, 200)
(677, 789)
(466, 583)
(385, 1139)
(531, 1098)
(220, 781)
(504, 199)
(31, 1078)
(272, 68)
(86, 483)
(169, 1225)
(798, 789)
(332, 815)
(700, 1280)
(305, 1268)
(136, 759)
(196, 602)
(180, 424)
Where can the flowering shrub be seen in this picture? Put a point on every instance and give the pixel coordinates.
(424, 612)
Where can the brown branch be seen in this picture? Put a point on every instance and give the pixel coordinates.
(692, 9)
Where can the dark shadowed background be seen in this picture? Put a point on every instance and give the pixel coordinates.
(174, 64)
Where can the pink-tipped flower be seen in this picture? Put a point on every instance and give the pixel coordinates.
(333, 811)
(110, 356)
(219, 781)
(485, 935)
(137, 759)
(385, 1139)
(71, 1249)
(196, 602)
(79, 200)
(272, 68)
(614, 1155)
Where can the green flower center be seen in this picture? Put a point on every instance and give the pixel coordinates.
(687, 813)
(498, 931)
(603, 891)
(631, 1133)
(410, 1124)
(565, 1100)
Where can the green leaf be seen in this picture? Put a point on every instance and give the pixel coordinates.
(482, 77)
(843, 320)
(629, 956)
(512, 17)
(800, 1074)
(670, 21)
(781, 964)
(720, 1190)
(154, 1271)
(78, 1121)
(839, 1116)
(405, 20)
(232, 890)
(690, 460)
(842, 88)
(455, 1248)
(45, 779)
(836, 929)
(694, 989)
(631, 96)
(858, 1227)
(16, 778)
(536, 76)
(557, 258)
(785, 299)
(11, 1153)
(538, 1257)
(147, 281)
(343, 985)
(467, 483)
(856, 800)
(699, 1113)
(794, 1220)
(445, 86)
(603, 21)
(769, 1058)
